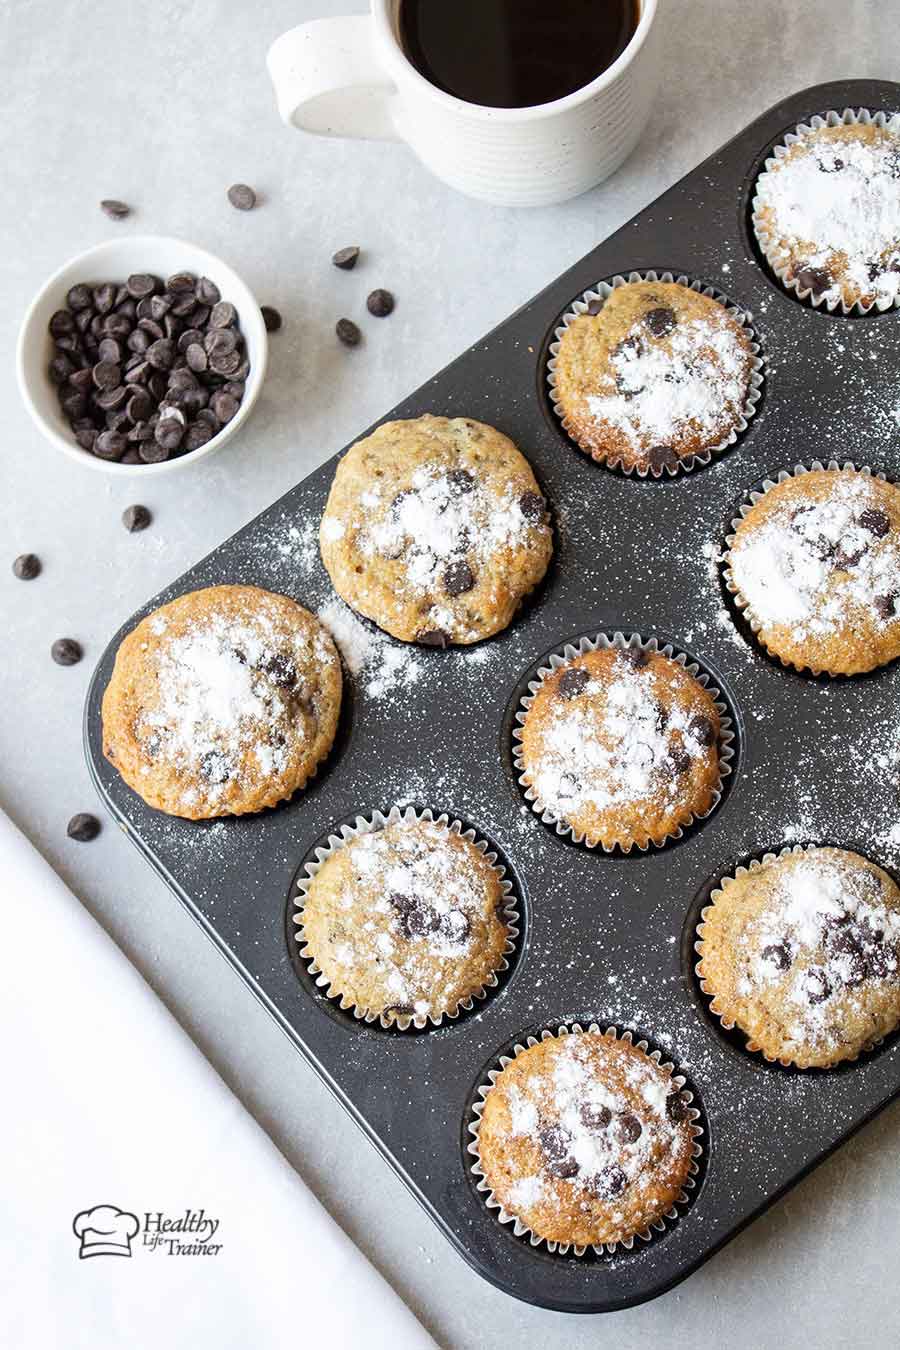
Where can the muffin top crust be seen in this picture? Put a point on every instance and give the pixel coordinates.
(652, 376)
(622, 746)
(586, 1139)
(827, 214)
(222, 702)
(436, 529)
(816, 562)
(802, 953)
(406, 922)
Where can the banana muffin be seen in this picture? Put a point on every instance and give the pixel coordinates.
(407, 922)
(222, 702)
(815, 564)
(802, 953)
(585, 1139)
(622, 746)
(435, 529)
(827, 214)
(653, 376)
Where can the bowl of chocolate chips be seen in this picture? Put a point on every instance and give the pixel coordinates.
(142, 355)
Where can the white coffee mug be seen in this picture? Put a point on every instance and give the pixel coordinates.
(351, 77)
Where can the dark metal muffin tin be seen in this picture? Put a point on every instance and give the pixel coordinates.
(604, 937)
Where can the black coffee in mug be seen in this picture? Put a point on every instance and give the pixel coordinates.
(515, 53)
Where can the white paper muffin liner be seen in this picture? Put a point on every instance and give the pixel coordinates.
(369, 824)
(600, 294)
(741, 603)
(565, 1248)
(777, 260)
(754, 865)
(621, 641)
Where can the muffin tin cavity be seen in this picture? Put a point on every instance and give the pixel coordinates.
(419, 917)
(634, 645)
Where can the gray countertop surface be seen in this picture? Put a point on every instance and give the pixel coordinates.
(165, 105)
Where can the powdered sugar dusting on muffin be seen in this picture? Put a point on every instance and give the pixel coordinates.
(785, 568)
(832, 206)
(694, 381)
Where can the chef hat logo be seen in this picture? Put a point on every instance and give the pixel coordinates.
(105, 1230)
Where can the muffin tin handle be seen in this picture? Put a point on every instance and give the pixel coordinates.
(328, 80)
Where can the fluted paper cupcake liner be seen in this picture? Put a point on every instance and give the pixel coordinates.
(740, 601)
(521, 1229)
(603, 641)
(369, 824)
(599, 295)
(754, 865)
(769, 244)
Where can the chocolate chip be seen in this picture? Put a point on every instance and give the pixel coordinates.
(136, 518)
(107, 375)
(533, 507)
(877, 522)
(169, 433)
(380, 303)
(271, 318)
(573, 682)
(348, 332)
(110, 445)
(458, 578)
(27, 566)
(161, 354)
(215, 767)
(114, 209)
(702, 729)
(594, 1117)
(661, 321)
(816, 985)
(60, 369)
(461, 481)
(222, 315)
(680, 759)
(611, 1181)
(346, 258)
(634, 656)
(198, 434)
(79, 297)
(844, 559)
(242, 197)
(280, 669)
(206, 292)
(432, 637)
(568, 786)
(834, 167)
(563, 1168)
(777, 954)
(141, 284)
(555, 1141)
(61, 324)
(84, 827)
(885, 606)
(224, 406)
(662, 457)
(454, 926)
(677, 1109)
(814, 279)
(628, 1128)
(66, 652)
(196, 357)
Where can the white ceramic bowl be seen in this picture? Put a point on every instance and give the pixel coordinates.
(115, 261)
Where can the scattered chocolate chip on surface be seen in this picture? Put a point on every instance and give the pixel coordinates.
(84, 827)
(346, 258)
(27, 566)
(66, 652)
(136, 518)
(348, 332)
(114, 209)
(380, 303)
(271, 318)
(242, 197)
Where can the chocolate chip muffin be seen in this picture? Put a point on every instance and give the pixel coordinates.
(652, 377)
(586, 1139)
(621, 746)
(802, 953)
(436, 529)
(406, 923)
(827, 213)
(222, 702)
(815, 565)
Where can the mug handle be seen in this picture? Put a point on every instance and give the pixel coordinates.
(328, 80)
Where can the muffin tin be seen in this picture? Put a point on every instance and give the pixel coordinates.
(604, 938)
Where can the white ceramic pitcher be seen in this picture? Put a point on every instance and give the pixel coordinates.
(351, 77)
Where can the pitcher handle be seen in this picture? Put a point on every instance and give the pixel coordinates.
(328, 79)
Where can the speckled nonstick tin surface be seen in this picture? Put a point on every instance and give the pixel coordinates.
(605, 938)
